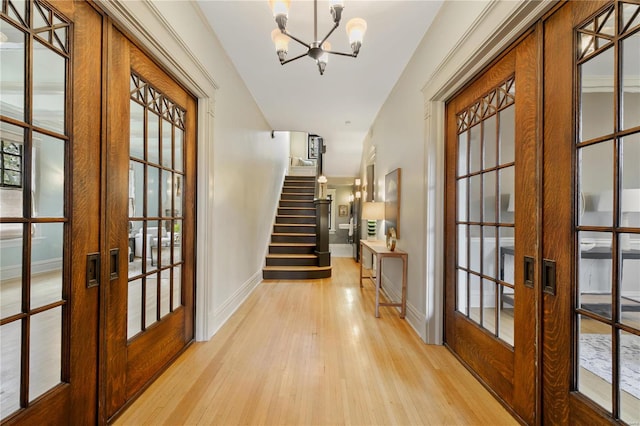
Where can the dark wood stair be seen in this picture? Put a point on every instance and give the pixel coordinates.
(293, 241)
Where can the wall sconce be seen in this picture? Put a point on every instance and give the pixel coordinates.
(351, 198)
(358, 195)
(358, 182)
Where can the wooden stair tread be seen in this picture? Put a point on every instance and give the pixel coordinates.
(295, 215)
(293, 244)
(296, 268)
(308, 225)
(291, 256)
(293, 234)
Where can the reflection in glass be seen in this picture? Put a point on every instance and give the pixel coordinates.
(489, 197)
(136, 130)
(45, 351)
(475, 152)
(474, 298)
(166, 193)
(462, 199)
(474, 248)
(462, 291)
(506, 314)
(489, 146)
(136, 188)
(462, 154)
(488, 251)
(629, 378)
(134, 305)
(462, 246)
(507, 134)
(596, 96)
(177, 150)
(153, 234)
(631, 82)
(46, 264)
(489, 305)
(629, 282)
(10, 269)
(594, 272)
(153, 186)
(630, 202)
(167, 147)
(475, 201)
(10, 372)
(12, 58)
(177, 241)
(595, 354)
(506, 184)
(595, 171)
(151, 297)
(177, 287)
(178, 187)
(507, 244)
(165, 291)
(153, 137)
(49, 77)
(48, 181)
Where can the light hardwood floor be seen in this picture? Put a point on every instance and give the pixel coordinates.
(312, 352)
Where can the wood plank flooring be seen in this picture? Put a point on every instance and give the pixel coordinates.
(312, 352)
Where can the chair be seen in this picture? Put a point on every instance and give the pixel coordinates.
(151, 241)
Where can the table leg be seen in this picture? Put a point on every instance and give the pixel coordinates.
(403, 309)
(378, 283)
(361, 265)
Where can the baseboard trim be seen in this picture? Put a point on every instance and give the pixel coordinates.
(222, 314)
(414, 317)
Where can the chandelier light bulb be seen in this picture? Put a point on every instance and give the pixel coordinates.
(356, 28)
(281, 41)
(280, 9)
(336, 6)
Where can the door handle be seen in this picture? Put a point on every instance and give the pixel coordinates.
(93, 270)
(549, 276)
(529, 263)
(114, 263)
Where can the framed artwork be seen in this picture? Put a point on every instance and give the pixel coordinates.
(314, 145)
(392, 201)
(343, 210)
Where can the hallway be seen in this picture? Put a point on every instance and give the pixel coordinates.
(304, 353)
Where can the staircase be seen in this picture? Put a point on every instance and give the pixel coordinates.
(293, 241)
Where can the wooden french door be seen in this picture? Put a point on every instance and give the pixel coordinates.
(50, 134)
(591, 226)
(150, 218)
(565, 274)
(491, 213)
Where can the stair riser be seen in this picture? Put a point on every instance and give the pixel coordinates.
(301, 212)
(300, 179)
(296, 275)
(301, 204)
(293, 239)
(292, 262)
(298, 190)
(309, 184)
(299, 229)
(308, 220)
(296, 196)
(288, 186)
(291, 250)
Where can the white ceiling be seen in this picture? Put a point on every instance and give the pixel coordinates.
(295, 96)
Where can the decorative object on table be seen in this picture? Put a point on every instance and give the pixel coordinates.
(392, 200)
(318, 49)
(391, 239)
(372, 212)
(343, 210)
(322, 180)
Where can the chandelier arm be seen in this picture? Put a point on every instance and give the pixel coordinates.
(292, 37)
(293, 59)
(329, 33)
(352, 55)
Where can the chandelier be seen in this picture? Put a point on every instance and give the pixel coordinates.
(318, 50)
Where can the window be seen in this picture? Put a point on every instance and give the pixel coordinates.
(11, 164)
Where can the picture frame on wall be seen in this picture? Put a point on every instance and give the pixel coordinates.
(392, 183)
(314, 145)
(343, 210)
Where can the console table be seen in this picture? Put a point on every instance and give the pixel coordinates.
(379, 249)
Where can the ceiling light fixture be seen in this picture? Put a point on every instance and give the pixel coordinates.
(318, 50)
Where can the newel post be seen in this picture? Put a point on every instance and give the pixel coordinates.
(322, 232)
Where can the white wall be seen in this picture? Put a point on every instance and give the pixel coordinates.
(240, 166)
(408, 133)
